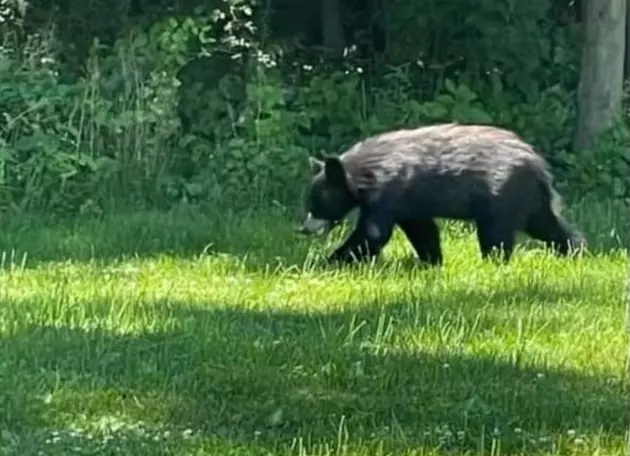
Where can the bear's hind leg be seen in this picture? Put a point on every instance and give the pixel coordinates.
(424, 236)
(372, 232)
(496, 237)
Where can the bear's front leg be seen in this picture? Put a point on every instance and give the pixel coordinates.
(348, 251)
(373, 231)
(424, 236)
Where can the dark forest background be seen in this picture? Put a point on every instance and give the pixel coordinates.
(158, 102)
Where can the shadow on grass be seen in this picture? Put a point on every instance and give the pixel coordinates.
(263, 235)
(261, 378)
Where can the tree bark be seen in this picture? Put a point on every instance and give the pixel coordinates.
(627, 75)
(601, 74)
(332, 27)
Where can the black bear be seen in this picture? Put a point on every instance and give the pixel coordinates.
(408, 177)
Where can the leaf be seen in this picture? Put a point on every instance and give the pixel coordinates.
(450, 85)
(68, 174)
(186, 140)
(88, 161)
(433, 110)
(27, 143)
(193, 189)
(461, 114)
(445, 99)
(463, 93)
(275, 418)
(478, 115)
(7, 155)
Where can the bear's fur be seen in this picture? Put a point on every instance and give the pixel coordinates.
(409, 177)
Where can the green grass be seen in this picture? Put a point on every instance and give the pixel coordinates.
(196, 332)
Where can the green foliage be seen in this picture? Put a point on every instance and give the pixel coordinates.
(42, 152)
(207, 103)
(602, 169)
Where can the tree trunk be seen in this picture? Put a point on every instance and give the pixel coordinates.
(601, 74)
(627, 41)
(332, 27)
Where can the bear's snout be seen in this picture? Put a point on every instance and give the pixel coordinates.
(314, 226)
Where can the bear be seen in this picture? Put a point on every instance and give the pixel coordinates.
(409, 177)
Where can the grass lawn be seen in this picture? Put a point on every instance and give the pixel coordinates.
(191, 332)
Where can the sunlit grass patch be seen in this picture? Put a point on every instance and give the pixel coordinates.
(227, 335)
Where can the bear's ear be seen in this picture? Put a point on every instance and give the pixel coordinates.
(335, 172)
(315, 164)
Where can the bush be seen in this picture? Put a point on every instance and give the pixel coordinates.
(202, 106)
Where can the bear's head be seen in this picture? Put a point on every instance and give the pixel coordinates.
(329, 197)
